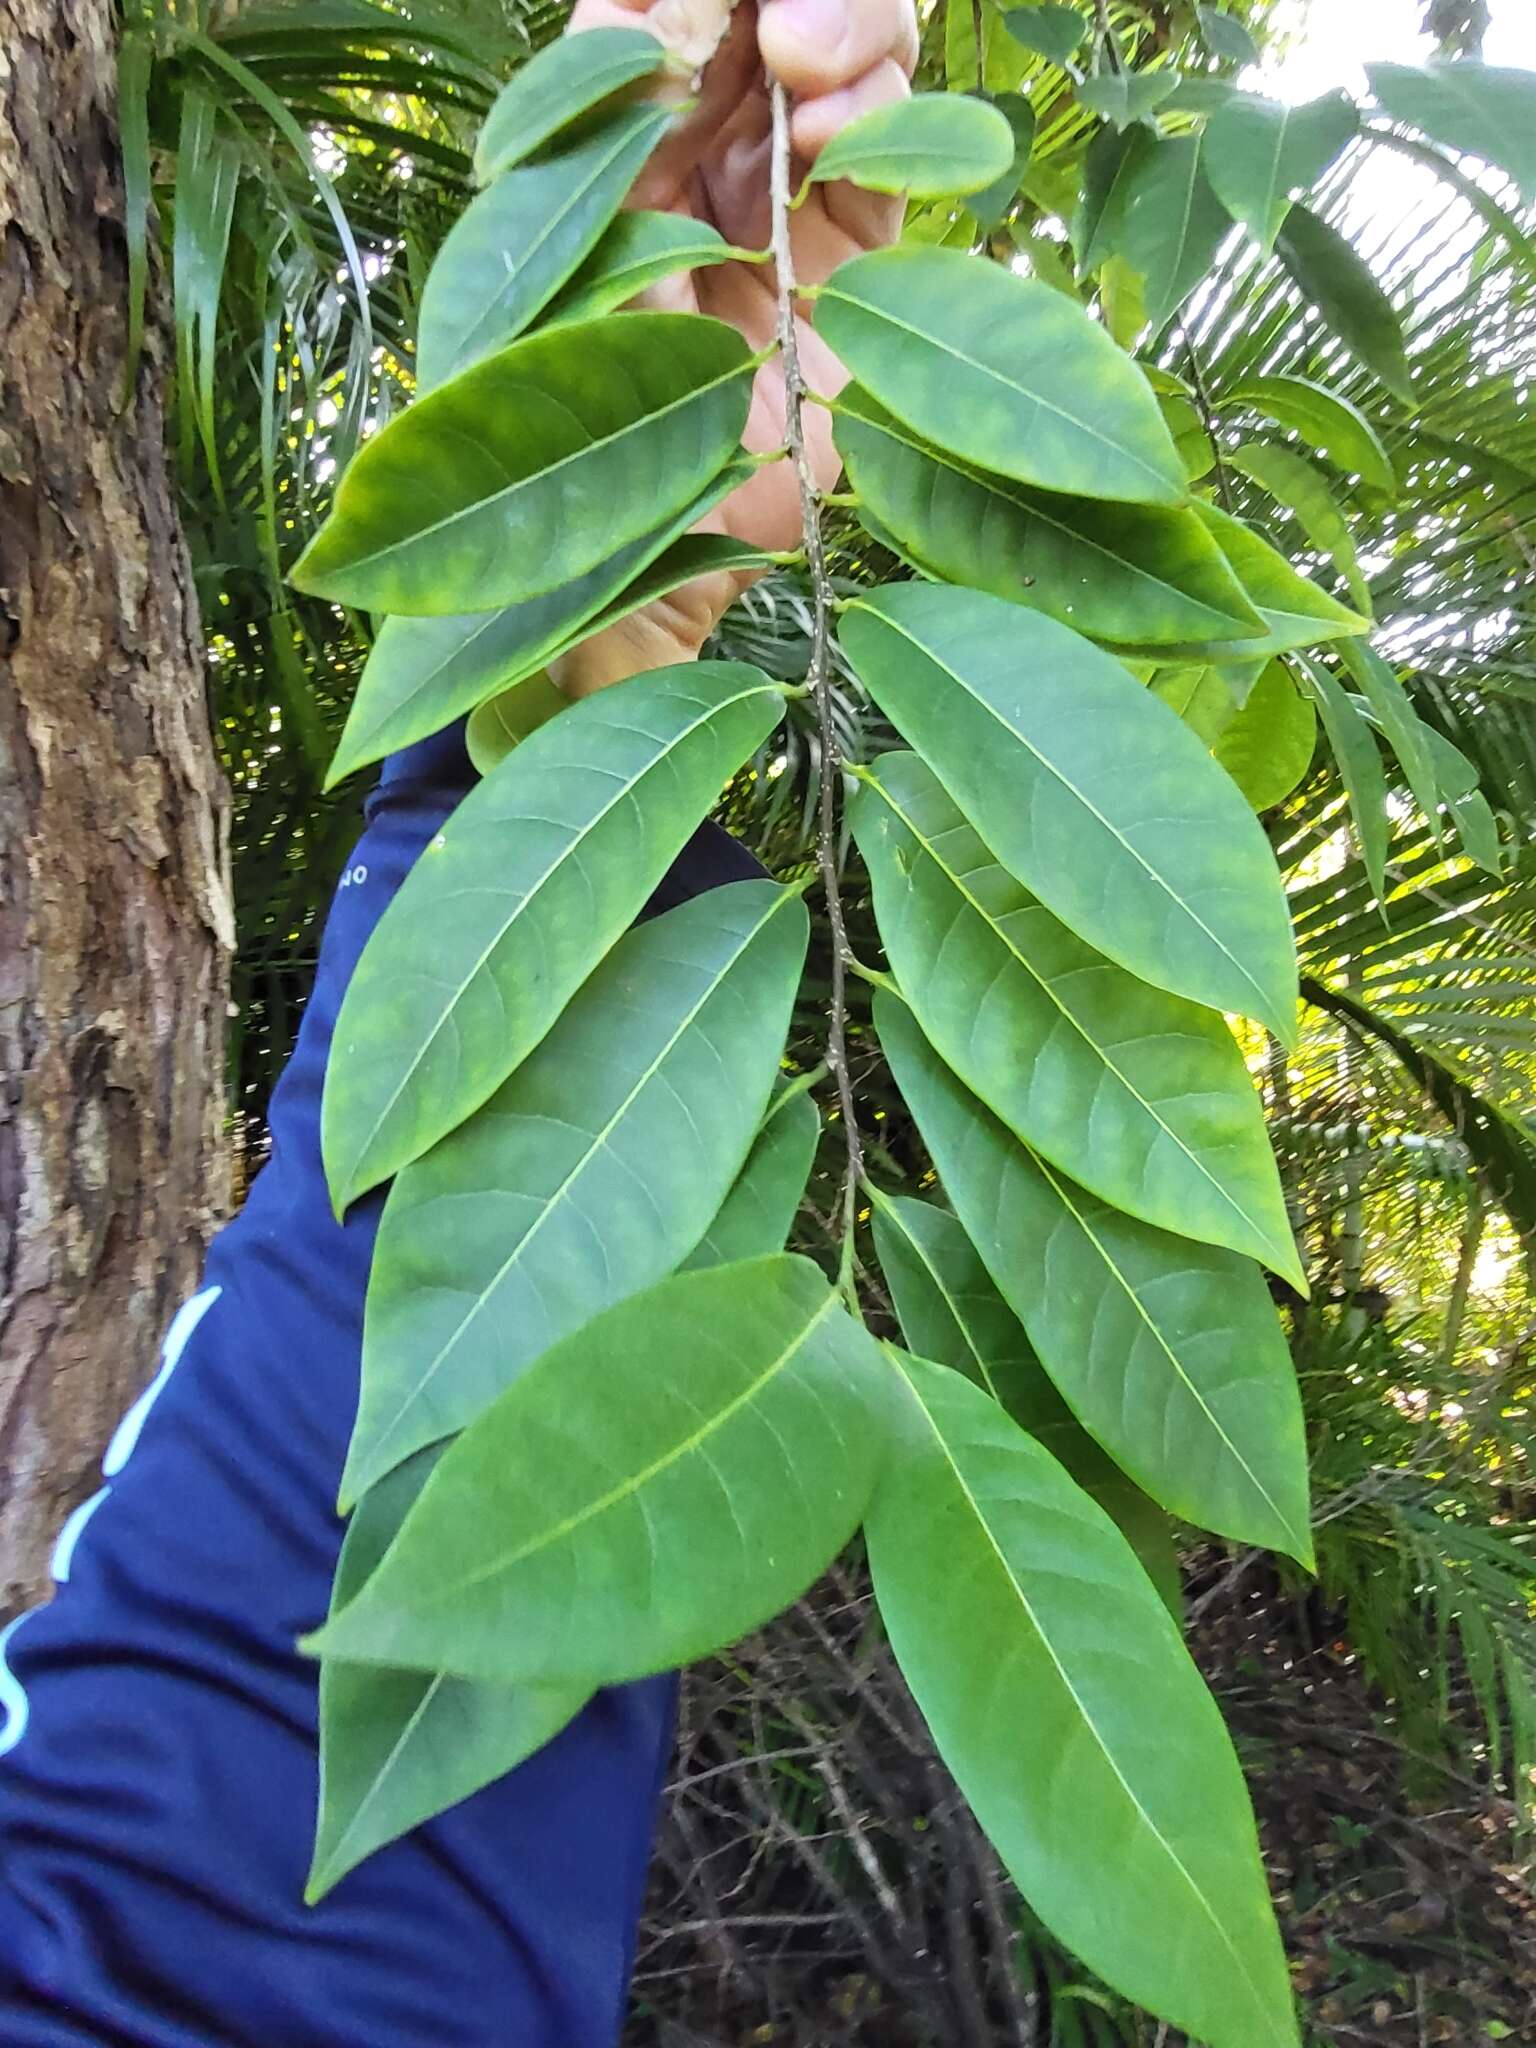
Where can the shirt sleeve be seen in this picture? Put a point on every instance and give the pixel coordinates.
(158, 1728)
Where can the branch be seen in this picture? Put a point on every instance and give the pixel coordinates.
(819, 674)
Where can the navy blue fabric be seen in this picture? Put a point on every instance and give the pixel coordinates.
(158, 1793)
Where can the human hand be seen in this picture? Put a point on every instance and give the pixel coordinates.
(838, 59)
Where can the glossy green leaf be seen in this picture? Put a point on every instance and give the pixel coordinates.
(1292, 481)
(1259, 153)
(1173, 225)
(1143, 1096)
(533, 467)
(951, 1312)
(1297, 612)
(1110, 166)
(564, 81)
(511, 249)
(1120, 572)
(1327, 272)
(1267, 746)
(1000, 370)
(934, 145)
(1122, 97)
(1200, 697)
(1226, 36)
(397, 1747)
(989, 206)
(637, 251)
(1488, 111)
(1122, 1817)
(1051, 32)
(494, 729)
(422, 674)
(547, 860)
(1047, 743)
(1354, 750)
(657, 1485)
(1170, 1353)
(758, 1214)
(586, 1177)
(1405, 732)
(1325, 421)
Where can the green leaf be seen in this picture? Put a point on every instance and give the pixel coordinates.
(1359, 764)
(1476, 826)
(422, 674)
(1120, 572)
(495, 728)
(1046, 743)
(1000, 370)
(1267, 746)
(397, 1747)
(1169, 1353)
(657, 1485)
(1226, 36)
(1325, 421)
(1200, 697)
(1109, 171)
(989, 206)
(586, 1177)
(1123, 1817)
(950, 1312)
(1296, 611)
(637, 251)
(511, 249)
(533, 467)
(1144, 1096)
(1172, 226)
(1051, 32)
(932, 146)
(1406, 733)
(1328, 273)
(1259, 154)
(1124, 97)
(548, 860)
(759, 1212)
(1487, 111)
(555, 88)
(1200, 94)
(1292, 481)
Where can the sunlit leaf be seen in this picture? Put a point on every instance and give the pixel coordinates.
(930, 146)
(1292, 481)
(1353, 745)
(1267, 746)
(1327, 422)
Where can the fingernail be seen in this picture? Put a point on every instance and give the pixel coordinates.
(819, 24)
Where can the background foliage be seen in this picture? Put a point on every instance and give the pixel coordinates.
(817, 1875)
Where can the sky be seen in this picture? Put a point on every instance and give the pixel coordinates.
(1340, 36)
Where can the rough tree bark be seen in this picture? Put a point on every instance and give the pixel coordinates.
(115, 924)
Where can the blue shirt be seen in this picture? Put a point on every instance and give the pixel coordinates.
(158, 1728)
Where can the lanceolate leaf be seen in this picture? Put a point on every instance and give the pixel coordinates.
(1119, 572)
(586, 1177)
(1295, 610)
(533, 467)
(1486, 111)
(397, 1747)
(1359, 764)
(1170, 1353)
(1172, 226)
(555, 88)
(931, 146)
(1109, 171)
(758, 1214)
(1001, 371)
(1142, 1095)
(1267, 746)
(513, 247)
(421, 674)
(1291, 480)
(547, 861)
(989, 206)
(1328, 423)
(1327, 271)
(1406, 733)
(638, 250)
(1258, 153)
(1122, 1814)
(658, 1484)
(1047, 744)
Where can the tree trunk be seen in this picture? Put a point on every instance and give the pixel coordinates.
(115, 924)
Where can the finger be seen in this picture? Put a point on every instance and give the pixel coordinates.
(816, 121)
(816, 47)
